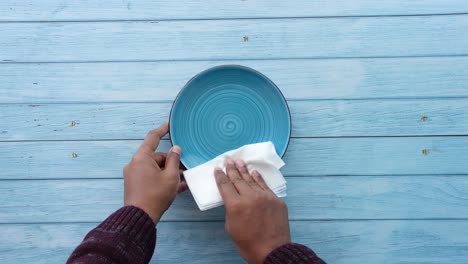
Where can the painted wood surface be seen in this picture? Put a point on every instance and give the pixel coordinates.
(57, 10)
(310, 198)
(377, 166)
(393, 241)
(267, 39)
(304, 157)
(322, 118)
(297, 79)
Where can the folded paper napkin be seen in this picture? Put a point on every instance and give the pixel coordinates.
(261, 157)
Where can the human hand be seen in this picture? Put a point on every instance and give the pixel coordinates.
(256, 219)
(152, 180)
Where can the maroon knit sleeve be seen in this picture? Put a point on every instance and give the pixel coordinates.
(127, 236)
(293, 253)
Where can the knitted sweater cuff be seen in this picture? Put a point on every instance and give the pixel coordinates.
(131, 226)
(293, 253)
(130, 221)
(127, 236)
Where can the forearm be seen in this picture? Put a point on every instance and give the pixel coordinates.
(127, 236)
(293, 254)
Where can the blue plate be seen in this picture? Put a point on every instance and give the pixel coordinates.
(224, 108)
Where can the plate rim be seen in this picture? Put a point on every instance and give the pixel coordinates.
(234, 66)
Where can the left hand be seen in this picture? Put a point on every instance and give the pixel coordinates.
(152, 180)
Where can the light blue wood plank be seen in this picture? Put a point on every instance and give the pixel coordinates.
(309, 118)
(55, 10)
(309, 198)
(305, 157)
(351, 197)
(336, 242)
(298, 79)
(197, 40)
(375, 156)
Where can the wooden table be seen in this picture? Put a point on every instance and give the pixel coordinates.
(377, 168)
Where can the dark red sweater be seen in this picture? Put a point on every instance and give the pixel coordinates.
(129, 236)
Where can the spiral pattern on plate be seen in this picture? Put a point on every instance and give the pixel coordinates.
(224, 108)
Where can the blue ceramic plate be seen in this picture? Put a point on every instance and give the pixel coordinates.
(224, 108)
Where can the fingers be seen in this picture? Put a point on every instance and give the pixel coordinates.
(173, 160)
(160, 158)
(226, 188)
(182, 183)
(182, 187)
(154, 136)
(246, 175)
(259, 179)
(235, 177)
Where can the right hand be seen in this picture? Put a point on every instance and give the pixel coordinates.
(256, 219)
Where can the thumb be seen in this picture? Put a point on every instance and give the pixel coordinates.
(173, 160)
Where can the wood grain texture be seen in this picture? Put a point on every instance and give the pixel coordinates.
(336, 242)
(305, 157)
(322, 118)
(83, 81)
(298, 79)
(309, 198)
(56, 10)
(269, 38)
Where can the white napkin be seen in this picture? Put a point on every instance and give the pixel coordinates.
(261, 157)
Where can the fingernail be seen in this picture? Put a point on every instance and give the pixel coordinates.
(240, 163)
(218, 169)
(230, 162)
(255, 173)
(176, 149)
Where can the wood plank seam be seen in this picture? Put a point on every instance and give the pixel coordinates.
(155, 20)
